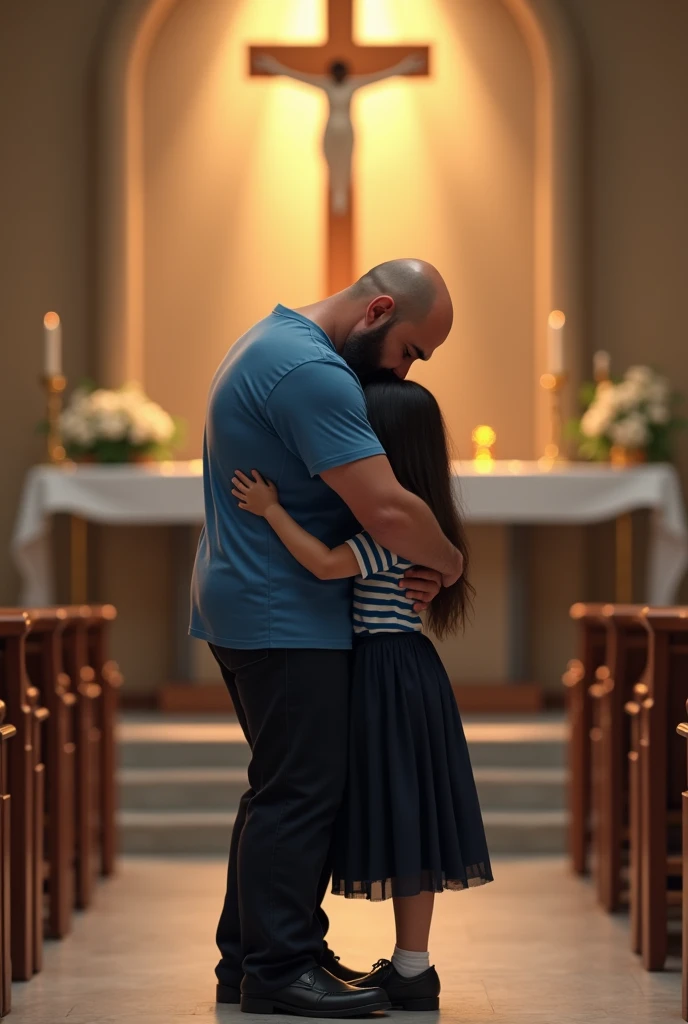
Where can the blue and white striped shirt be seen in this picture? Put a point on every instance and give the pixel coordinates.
(380, 605)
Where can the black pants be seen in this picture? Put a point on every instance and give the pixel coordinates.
(293, 708)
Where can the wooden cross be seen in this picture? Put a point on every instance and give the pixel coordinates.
(361, 60)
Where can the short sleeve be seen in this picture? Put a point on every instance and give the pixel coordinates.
(319, 412)
(371, 556)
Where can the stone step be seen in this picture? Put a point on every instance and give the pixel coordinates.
(536, 744)
(181, 782)
(180, 789)
(519, 832)
(175, 832)
(173, 744)
(521, 789)
(208, 832)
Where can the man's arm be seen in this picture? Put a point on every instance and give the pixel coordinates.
(397, 519)
(319, 412)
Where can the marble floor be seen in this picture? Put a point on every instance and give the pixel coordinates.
(531, 947)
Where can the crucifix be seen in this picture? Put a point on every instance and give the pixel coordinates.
(339, 68)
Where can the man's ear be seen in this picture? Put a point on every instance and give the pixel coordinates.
(380, 309)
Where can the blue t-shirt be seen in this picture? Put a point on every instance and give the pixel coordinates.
(285, 403)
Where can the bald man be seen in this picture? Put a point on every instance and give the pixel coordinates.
(287, 399)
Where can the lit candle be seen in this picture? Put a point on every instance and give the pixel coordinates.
(555, 342)
(601, 365)
(52, 334)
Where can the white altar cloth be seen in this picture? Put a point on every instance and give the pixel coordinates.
(513, 493)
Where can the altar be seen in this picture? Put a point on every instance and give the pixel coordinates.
(514, 493)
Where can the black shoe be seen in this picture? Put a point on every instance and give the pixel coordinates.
(331, 963)
(317, 994)
(227, 994)
(337, 969)
(419, 993)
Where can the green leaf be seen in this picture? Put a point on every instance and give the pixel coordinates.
(586, 393)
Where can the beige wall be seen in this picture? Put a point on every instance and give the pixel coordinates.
(636, 81)
(46, 51)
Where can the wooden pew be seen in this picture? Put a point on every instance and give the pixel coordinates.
(682, 730)
(659, 703)
(632, 709)
(40, 715)
(579, 676)
(44, 667)
(7, 731)
(108, 677)
(14, 625)
(87, 691)
(625, 661)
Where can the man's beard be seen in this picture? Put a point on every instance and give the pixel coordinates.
(362, 351)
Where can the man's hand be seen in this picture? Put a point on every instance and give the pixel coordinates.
(422, 585)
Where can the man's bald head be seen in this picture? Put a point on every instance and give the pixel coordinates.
(414, 285)
(403, 312)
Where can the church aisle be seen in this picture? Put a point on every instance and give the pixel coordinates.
(532, 947)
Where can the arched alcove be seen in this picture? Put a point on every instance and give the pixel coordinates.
(556, 249)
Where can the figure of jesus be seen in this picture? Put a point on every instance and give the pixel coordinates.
(339, 87)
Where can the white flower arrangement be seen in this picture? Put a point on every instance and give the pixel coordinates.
(636, 413)
(116, 425)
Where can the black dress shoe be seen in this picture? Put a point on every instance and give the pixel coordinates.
(317, 994)
(419, 993)
(331, 963)
(337, 969)
(227, 994)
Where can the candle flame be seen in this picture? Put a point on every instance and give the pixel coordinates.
(484, 436)
(556, 319)
(51, 321)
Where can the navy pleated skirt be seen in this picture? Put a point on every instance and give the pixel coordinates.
(410, 821)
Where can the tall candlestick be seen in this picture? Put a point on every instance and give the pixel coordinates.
(554, 384)
(601, 365)
(52, 335)
(555, 342)
(54, 384)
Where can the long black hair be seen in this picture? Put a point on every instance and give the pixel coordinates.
(407, 419)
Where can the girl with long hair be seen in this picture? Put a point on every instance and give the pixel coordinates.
(410, 825)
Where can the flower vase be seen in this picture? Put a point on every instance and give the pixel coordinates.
(622, 457)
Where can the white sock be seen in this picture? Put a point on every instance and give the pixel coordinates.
(408, 963)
